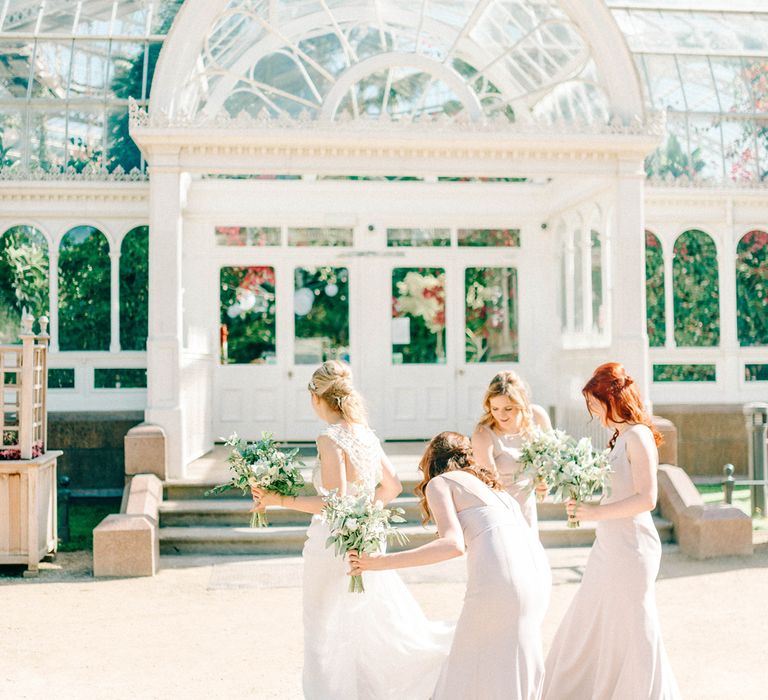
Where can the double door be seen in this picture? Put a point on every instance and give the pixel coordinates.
(423, 330)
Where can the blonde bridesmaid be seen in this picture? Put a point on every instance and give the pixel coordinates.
(609, 646)
(508, 419)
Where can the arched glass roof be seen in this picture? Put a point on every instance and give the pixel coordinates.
(68, 68)
(706, 64)
(400, 58)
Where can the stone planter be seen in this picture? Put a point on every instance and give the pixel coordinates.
(28, 528)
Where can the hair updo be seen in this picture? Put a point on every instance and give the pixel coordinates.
(332, 383)
(449, 452)
(616, 390)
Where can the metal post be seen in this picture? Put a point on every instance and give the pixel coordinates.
(63, 508)
(728, 483)
(757, 426)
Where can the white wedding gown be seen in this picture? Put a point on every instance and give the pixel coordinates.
(376, 645)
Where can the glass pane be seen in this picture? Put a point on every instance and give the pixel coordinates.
(321, 314)
(490, 297)
(61, 378)
(12, 137)
(752, 288)
(654, 291)
(247, 235)
(88, 72)
(418, 315)
(320, 236)
(23, 278)
(755, 373)
(134, 286)
(696, 291)
(496, 237)
(418, 237)
(84, 290)
(127, 378)
(598, 320)
(684, 373)
(47, 140)
(247, 315)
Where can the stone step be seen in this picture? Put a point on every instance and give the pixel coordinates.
(196, 489)
(235, 512)
(280, 539)
(289, 539)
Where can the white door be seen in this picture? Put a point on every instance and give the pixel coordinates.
(281, 312)
(424, 322)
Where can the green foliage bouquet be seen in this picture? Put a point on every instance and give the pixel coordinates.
(360, 525)
(541, 454)
(570, 467)
(261, 464)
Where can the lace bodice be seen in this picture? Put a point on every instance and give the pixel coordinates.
(364, 453)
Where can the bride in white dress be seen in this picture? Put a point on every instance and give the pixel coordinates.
(376, 645)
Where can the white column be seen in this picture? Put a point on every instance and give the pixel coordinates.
(164, 343)
(53, 295)
(668, 253)
(730, 373)
(586, 277)
(629, 342)
(114, 259)
(569, 282)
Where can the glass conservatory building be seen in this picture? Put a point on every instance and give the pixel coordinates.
(210, 197)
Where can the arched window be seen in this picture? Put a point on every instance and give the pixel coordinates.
(23, 278)
(134, 285)
(598, 320)
(654, 291)
(752, 288)
(696, 290)
(84, 290)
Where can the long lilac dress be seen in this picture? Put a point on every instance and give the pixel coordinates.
(609, 645)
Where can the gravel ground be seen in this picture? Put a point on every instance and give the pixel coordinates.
(230, 627)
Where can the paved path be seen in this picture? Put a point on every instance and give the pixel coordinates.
(230, 627)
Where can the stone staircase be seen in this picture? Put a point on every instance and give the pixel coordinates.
(191, 523)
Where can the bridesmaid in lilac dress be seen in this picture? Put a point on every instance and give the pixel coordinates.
(508, 419)
(609, 645)
(496, 652)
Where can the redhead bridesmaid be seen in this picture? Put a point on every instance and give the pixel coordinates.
(609, 646)
(508, 419)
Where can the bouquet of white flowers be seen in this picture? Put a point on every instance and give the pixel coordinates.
(581, 472)
(571, 467)
(261, 464)
(541, 454)
(357, 524)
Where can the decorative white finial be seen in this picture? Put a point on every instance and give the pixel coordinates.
(27, 319)
(43, 321)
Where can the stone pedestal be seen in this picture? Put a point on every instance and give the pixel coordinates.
(128, 543)
(701, 530)
(668, 449)
(145, 451)
(125, 545)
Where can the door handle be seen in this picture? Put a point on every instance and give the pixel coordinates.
(290, 374)
(459, 372)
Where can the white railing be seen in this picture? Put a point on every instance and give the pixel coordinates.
(97, 381)
(726, 365)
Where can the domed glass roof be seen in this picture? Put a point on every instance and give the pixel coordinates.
(68, 68)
